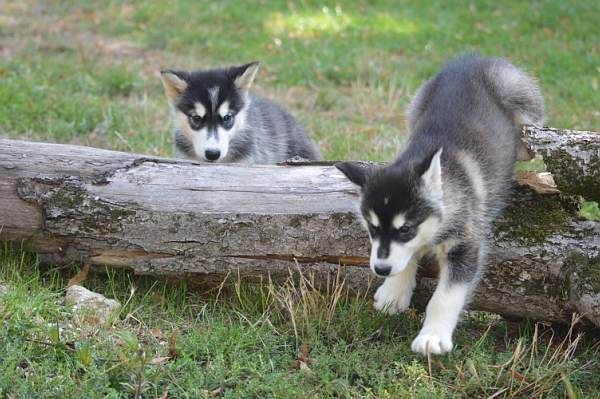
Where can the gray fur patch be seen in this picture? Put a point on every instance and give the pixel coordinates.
(269, 135)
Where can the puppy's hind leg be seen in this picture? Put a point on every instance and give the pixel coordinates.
(458, 276)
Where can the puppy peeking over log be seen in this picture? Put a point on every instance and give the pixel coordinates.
(217, 119)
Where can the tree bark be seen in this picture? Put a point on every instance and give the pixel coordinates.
(176, 217)
(573, 157)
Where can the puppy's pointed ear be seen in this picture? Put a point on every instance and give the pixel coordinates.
(431, 173)
(244, 75)
(354, 171)
(174, 83)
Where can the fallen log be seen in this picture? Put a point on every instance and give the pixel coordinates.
(573, 157)
(175, 217)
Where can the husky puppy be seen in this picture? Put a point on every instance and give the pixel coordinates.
(216, 119)
(442, 193)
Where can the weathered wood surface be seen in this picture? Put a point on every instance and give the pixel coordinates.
(172, 217)
(573, 157)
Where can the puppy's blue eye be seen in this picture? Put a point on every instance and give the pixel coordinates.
(196, 119)
(404, 229)
(227, 120)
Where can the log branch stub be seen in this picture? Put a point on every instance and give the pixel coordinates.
(573, 157)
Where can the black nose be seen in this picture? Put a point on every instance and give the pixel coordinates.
(212, 155)
(382, 270)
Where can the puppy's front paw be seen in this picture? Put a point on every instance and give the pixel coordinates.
(432, 342)
(390, 301)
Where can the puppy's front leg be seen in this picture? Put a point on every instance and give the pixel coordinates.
(393, 296)
(458, 275)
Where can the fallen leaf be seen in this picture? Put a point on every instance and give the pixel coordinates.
(300, 365)
(304, 366)
(213, 393)
(156, 333)
(164, 395)
(304, 360)
(81, 276)
(304, 352)
(518, 376)
(172, 344)
(160, 360)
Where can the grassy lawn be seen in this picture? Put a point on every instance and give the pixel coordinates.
(86, 73)
(263, 341)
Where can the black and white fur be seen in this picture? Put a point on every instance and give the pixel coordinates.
(443, 192)
(217, 119)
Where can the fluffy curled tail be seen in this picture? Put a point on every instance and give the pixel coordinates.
(469, 78)
(517, 92)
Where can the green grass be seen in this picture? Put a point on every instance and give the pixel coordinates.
(261, 341)
(346, 69)
(86, 73)
(590, 211)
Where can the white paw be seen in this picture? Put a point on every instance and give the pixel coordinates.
(391, 299)
(431, 342)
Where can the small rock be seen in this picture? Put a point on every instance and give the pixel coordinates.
(91, 302)
(3, 289)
